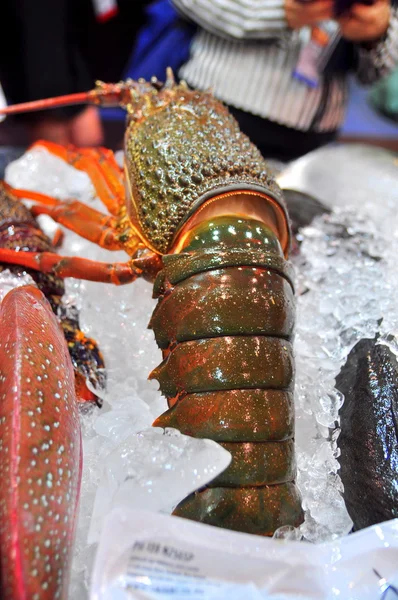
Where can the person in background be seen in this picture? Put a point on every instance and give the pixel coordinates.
(255, 57)
(384, 96)
(62, 47)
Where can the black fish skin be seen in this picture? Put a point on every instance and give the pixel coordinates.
(303, 208)
(369, 433)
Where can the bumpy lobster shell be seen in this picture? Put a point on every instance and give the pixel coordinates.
(183, 148)
(204, 217)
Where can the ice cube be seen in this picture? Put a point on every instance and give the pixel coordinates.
(9, 281)
(155, 469)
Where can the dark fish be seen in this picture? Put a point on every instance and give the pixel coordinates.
(303, 208)
(369, 433)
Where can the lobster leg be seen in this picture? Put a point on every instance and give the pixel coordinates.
(100, 165)
(76, 216)
(58, 238)
(40, 450)
(73, 266)
(81, 219)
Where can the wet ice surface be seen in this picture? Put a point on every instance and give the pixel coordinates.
(348, 271)
(9, 281)
(157, 467)
(340, 284)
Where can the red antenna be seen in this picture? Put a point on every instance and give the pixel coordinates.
(105, 94)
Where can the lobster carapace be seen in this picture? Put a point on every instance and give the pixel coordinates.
(198, 212)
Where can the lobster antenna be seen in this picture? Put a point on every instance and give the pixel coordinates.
(104, 94)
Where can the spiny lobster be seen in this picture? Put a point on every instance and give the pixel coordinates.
(199, 214)
(20, 231)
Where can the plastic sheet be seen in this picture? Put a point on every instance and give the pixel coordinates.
(147, 556)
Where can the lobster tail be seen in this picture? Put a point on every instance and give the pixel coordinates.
(225, 321)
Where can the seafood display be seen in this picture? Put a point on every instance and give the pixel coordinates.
(40, 450)
(19, 231)
(206, 221)
(369, 433)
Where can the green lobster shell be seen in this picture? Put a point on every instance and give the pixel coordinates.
(182, 149)
(225, 313)
(225, 323)
(205, 220)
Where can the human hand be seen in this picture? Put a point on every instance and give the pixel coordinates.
(365, 23)
(301, 14)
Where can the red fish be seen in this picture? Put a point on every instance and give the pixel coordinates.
(40, 450)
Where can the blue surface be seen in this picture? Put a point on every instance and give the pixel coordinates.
(362, 120)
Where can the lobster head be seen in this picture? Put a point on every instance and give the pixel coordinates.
(186, 159)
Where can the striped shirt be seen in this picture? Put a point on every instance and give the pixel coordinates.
(245, 52)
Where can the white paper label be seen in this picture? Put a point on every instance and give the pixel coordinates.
(170, 571)
(143, 555)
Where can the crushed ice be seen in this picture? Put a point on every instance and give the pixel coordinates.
(157, 467)
(347, 280)
(9, 281)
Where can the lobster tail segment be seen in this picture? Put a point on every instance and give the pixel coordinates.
(225, 323)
